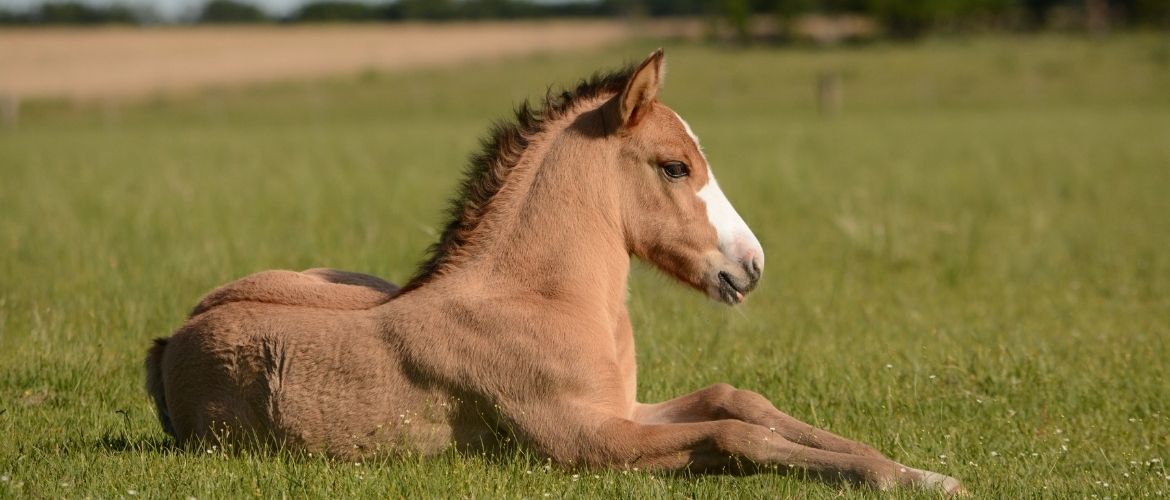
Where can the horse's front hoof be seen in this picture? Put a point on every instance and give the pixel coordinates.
(944, 484)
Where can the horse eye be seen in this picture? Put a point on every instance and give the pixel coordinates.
(676, 169)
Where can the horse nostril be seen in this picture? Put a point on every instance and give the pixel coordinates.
(752, 268)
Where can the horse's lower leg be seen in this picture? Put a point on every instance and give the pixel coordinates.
(724, 401)
(723, 445)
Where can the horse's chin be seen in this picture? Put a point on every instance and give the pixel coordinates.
(728, 288)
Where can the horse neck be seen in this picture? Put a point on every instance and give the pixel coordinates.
(554, 231)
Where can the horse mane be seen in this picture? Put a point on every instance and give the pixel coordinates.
(500, 151)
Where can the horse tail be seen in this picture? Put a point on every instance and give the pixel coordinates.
(154, 383)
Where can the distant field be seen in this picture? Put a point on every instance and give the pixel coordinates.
(968, 266)
(127, 62)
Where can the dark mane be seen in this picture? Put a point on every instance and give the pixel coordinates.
(499, 152)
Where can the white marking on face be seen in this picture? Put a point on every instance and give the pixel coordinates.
(736, 240)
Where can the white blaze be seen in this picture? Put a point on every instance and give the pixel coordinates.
(736, 240)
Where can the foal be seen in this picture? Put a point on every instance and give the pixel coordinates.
(517, 325)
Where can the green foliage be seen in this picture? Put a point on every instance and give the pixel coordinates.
(906, 18)
(738, 14)
(333, 11)
(230, 11)
(967, 265)
(71, 13)
(428, 9)
(1147, 12)
(902, 18)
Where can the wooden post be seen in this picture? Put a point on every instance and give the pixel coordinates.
(829, 92)
(1097, 16)
(9, 110)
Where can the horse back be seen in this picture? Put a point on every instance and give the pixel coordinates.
(320, 288)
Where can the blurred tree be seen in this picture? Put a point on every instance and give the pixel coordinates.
(676, 7)
(433, 10)
(342, 11)
(737, 14)
(9, 18)
(905, 18)
(900, 18)
(1146, 12)
(230, 11)
(79, 13)
(506, 9)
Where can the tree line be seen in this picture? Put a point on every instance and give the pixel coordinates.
(897, 17)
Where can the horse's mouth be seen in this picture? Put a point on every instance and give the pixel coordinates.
(728, 291)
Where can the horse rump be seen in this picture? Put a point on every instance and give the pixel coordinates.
(154, 383)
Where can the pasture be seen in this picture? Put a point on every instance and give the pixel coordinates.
(968, 266)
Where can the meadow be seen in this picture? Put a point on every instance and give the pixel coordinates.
(968, 265)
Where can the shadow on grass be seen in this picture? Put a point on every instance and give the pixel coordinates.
(121, 443)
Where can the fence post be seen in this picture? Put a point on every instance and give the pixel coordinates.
(829, 92)
(9, 110)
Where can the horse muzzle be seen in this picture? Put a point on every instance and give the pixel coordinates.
(734, 279)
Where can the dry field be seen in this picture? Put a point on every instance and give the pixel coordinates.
(103, 63)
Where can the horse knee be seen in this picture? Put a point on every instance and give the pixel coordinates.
(726, 401)
(718, 399)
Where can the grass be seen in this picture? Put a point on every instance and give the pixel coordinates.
(968, 267)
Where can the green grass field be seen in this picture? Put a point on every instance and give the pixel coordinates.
(968, 267)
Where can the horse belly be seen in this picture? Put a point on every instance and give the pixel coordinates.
(307, 379)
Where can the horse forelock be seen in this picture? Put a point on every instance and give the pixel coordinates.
(500, 151)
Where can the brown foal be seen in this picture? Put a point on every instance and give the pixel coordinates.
(517, 326)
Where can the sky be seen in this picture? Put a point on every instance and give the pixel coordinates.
(172, 9)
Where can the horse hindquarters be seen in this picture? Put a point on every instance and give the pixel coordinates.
(308, 379)
(154, 384)
(198, 388)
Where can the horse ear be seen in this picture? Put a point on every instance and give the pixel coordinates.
(641, 90)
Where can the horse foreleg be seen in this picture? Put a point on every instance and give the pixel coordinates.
(717, 445)
(722, 401)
